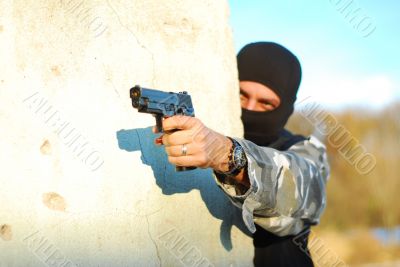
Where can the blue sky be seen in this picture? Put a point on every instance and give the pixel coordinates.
(341, 67)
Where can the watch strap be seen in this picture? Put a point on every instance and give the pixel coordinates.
(233, 170)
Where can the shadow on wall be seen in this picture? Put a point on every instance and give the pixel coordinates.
(172, 182)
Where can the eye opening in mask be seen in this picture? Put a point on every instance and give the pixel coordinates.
(258, 103)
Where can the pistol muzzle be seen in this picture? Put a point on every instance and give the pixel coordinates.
(135, 94)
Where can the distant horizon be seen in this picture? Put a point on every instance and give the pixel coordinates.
(344, 67)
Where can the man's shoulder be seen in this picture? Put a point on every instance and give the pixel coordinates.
(287, 139)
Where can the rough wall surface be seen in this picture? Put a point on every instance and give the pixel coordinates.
(81, 183)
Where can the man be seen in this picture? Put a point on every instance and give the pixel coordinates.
(276, 178)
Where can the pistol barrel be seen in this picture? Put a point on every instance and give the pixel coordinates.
(158, 102)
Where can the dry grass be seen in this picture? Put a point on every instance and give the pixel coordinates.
(351, 248)
(358, 202)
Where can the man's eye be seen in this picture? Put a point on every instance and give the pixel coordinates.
(267, 106)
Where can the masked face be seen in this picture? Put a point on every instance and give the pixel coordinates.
(261, 116)
(270, 76)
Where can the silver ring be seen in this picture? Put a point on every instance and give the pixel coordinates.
(184, 150)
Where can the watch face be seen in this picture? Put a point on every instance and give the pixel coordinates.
(239, 157)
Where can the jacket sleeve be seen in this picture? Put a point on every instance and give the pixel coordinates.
(287, 188)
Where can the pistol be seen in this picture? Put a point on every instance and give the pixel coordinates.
(162, 105)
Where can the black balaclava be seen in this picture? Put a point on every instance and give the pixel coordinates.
(277, 68)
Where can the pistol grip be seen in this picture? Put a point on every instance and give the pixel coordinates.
(181, 169)
(159, 123)
(160, 129)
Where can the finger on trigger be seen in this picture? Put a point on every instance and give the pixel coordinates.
(178, 122)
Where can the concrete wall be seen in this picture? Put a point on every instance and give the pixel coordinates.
(81, 183)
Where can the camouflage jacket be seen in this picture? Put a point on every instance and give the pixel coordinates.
(287, 191)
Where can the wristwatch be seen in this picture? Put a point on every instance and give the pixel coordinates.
(237, 159)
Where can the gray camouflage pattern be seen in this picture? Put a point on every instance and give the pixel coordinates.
(287, 189)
